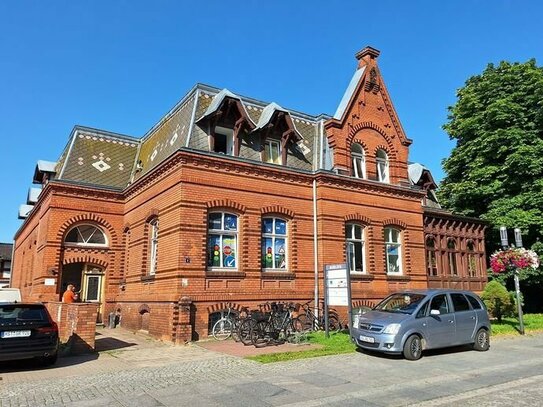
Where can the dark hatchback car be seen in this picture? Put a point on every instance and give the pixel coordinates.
(27, 331)
(411, 321)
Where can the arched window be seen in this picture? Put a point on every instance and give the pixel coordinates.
(359, 161)
(126, 251)
(472, 259)
(393, 250)
(354, 240)
(153, 245)
(274, 244)
(451, 249)
(431, 261)
(222, 241)
(382, 166)
(86, 235)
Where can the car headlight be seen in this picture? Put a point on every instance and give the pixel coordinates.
(356, 320)
(392, 329)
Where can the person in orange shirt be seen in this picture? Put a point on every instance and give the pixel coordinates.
(69, 295)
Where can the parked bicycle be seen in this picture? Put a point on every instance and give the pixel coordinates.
(226, 325)
(280, 326)
(314, 320)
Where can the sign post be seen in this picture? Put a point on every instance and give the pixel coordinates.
(337, 290)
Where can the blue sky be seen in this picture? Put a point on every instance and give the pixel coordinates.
(121, 65)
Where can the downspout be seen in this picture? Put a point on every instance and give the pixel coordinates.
(315, 246)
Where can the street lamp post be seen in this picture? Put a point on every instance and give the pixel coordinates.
(505, 245)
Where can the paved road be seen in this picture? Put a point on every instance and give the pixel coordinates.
(155, 374)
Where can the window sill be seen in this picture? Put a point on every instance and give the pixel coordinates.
(362, 276)
(148, 278)
(278, 275)
(224, 273)
(399, 277)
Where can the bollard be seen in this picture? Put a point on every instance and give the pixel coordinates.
(111, 320)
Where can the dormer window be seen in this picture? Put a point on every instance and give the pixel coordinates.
(359, 161)
(272, 151)
(224, 141)
(382, 166)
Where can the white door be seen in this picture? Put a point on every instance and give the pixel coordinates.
(93, 287)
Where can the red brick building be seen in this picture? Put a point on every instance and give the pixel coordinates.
(232, 200)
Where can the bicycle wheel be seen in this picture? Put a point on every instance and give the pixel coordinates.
(222, 329)
(235, 330)
(306, 321)
(296, 332)
(259, 334)
(333, 323)
(244, 331)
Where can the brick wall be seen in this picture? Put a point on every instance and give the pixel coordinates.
(76, 323)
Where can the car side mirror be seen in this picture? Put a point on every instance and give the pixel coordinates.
(434, 312)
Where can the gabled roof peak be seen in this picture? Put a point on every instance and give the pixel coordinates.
(367, 51)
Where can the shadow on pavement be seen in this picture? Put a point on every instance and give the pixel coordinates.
(426, 353)
(26, 365)
(105, 343)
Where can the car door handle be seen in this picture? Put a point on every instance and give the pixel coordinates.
(472, 317)
(451, 321)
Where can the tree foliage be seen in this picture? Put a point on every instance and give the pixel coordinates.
(498, 300)
(495, 171)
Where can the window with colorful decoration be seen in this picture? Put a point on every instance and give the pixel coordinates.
(222, 240)
(274, 244)
(393, 250)
(354, 240)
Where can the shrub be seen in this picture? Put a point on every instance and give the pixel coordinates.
(498, 300)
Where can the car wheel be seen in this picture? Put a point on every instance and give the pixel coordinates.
(482, 340)
(412, 349)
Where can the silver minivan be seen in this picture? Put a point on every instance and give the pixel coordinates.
(409, 322)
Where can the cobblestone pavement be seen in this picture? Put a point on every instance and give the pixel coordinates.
(156, 374)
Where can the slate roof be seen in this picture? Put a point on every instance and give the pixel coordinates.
(99, 158)
(102, 158)
(5, 250)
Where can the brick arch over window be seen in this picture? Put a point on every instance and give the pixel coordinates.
(359, 218)
(370, 125)
(278, 210)
(151, 215)
(143, 308)
(90, 218)
(221, 306)
(381, 147)
(394, 222)
(85, 258)
(226, 203)
(364, 303)
(359, 142)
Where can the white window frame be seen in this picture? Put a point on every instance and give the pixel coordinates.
(221, 232)
(229, 134)
(359, 162)
(270, 143)
(389, 242)
(85, 243)
(273, 236)
(153, 246)
(351, 241)
(383, 171)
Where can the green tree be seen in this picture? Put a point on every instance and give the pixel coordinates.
(495, 171)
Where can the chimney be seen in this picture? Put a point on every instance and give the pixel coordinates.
(366, 55)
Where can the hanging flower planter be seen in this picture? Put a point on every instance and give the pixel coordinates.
(515, 259)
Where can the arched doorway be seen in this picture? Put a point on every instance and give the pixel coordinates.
(88, 280)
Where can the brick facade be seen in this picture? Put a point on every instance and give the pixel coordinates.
(179, 193)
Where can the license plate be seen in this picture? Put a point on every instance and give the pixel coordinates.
(368, 339)
(15, 334)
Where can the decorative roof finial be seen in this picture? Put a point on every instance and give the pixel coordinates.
(368, 51)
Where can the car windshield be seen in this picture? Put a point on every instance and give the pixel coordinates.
(20, 313)
(403, 303)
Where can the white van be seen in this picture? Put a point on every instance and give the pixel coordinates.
(10, 295)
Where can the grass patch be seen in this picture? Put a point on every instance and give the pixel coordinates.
(337, 343)
(509, 326)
